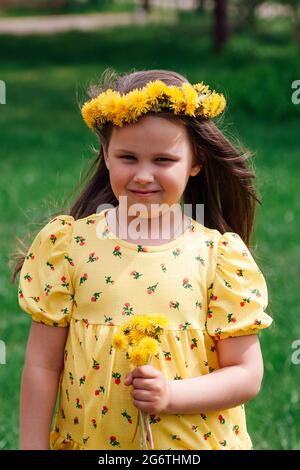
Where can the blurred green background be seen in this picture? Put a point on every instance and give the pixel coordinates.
(253, 58)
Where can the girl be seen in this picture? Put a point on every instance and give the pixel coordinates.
(88, 270)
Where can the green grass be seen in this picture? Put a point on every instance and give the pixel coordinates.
(102, 6)
(45, 145)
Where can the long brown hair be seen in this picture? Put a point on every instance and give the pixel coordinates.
(224, 185)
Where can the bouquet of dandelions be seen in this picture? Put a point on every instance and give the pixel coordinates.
(139, 337)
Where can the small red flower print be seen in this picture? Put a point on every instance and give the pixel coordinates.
(127, 310)
(30, 256)
(95, 296)
(213, 297)
(203, 416)
(36, 299)
(83, 278)
(195, 428)
(141, 249)
(194, 343)
(256, 292)
(163, 267)
(175, 437)
(257, 322)
(104, 410)
(94, 423)
(117, 252)
(207, 435)
(244, 301)
(90, 221)
(167, 355)
(82, 380)
(176, 252)
(71, 378)
(174, 304)
(99, 390)
(127, 416)
(108, 280)
(117, 377)
(113, 441)
(236, 429)
(224, 443)
(64, 283)
(86, 322)
(152, 289)
(240, 272)
(96, 364)
(185, 326)
(76, 420)
(198, 305)
(53, 238)
(108, 321)
(135, 274)
(153, 419)
(21, 294)
(92, 257)
(69, 260)
(209, 313)
(78, 404)
(28, 277)
(186, 284)
(47, 289)
(209, 243)
(231, 318)
(221, 419)
(50, 266)
(218, 333)
(224, 243)
(79, 240)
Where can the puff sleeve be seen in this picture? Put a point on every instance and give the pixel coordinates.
(45, 287)
(238, 295)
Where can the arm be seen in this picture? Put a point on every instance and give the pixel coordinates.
(40, 380)
(237, 381)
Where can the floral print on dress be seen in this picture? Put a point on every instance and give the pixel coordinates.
(73, 278)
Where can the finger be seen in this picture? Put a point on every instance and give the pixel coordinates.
(142, 395)
(128, 379)
(145, 371)
(145, 384)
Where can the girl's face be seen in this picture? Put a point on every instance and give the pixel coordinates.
(152, 154)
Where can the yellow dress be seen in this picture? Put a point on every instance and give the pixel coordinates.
(77, 274)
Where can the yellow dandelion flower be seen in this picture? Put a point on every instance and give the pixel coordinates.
(154, 90)
(201, 88)
(213, 105)
(120, 341)
(149, 345)
(89, 112)
(135, 336)
(137, 103)
(137, 356)
(159, 320)
(177, 99)
(191, 99)
(140, 323)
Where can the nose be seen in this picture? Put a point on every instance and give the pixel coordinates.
(143, 177)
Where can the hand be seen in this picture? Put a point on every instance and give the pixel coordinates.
(151, 392)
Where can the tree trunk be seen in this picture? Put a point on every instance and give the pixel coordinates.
(200, 5)
(221, 30)
(146, 5)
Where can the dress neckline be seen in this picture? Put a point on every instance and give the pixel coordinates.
(143, 247)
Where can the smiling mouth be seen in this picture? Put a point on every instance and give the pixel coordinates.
(142, 193)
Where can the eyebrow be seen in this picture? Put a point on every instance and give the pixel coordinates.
(164, 154)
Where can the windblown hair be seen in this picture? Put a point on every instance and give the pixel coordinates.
(224, 185)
